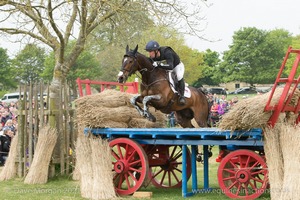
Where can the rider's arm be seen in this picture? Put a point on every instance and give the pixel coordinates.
(169, 59)
(165, 66)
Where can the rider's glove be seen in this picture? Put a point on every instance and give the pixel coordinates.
(155, 64)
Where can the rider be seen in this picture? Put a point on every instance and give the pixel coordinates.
(173, 63)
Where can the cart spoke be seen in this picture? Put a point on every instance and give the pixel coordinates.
(173, 151)
(154, 175)
(163, 177)
(119, 151)
(175, 176)
(115, 155)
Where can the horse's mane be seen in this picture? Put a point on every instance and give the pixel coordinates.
(147, 58)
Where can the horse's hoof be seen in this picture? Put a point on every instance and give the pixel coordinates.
(151, 118)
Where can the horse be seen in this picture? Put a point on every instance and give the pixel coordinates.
(155, 90)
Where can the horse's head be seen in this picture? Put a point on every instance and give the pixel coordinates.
(129, 64)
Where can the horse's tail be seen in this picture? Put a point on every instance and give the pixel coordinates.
(203, 90)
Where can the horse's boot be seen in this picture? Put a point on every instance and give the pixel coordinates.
(181, 87)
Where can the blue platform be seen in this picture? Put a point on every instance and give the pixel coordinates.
(186, 137)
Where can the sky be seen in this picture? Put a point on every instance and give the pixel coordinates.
(224, 17)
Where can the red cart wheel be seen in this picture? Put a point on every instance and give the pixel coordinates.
(243, 174)
(165, 164)
(130, 165)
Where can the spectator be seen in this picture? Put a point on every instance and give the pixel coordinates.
(9, 124)
(214, 108)
(1, 129)
(210, 99)
(235, 99)
(216, 98)
(5, 141)
(223, 98)
(222, 108)
(214, 115)
(5, 116)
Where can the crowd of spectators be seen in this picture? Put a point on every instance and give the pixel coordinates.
(8, 128)
(218, 106)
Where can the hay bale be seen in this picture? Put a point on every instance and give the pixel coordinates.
(274, 159)
(249, 113)
(38, 171)
(84, 164)
(10, 169)
(113, 109)
(103, 187)
(107, 98)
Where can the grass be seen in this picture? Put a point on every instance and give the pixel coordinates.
(64, 188)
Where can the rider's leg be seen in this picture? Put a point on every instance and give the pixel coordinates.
(181, 86)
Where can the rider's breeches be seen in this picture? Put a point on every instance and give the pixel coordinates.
(179, 70)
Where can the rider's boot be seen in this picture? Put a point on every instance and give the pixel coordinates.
(181, 86)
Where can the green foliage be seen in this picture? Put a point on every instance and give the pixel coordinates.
(85, 67)
(209, 76)
(7, 75)
(111, 57)
(255, 56)
(295, 44)
(29, 64)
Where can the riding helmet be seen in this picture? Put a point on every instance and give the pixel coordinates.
(152, 46)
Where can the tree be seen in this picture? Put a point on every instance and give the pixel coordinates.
(85, 67)
(295, 44)
(255, 56)
(29, 64)
(209, 75)
(168, 36)
(55, 23)
(6, 73)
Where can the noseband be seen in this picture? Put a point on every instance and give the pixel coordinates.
(131, 67)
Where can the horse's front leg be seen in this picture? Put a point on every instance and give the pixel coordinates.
(147, 114)
(133, 101)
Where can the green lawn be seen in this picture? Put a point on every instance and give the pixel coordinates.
(62, 188)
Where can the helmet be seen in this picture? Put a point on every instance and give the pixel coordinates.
(152, 46)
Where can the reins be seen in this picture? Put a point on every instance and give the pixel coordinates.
(150, 71)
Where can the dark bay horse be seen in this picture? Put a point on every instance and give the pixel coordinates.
(156, 91)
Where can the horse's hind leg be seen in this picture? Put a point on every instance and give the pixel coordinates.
(184, 118)
(201, 118)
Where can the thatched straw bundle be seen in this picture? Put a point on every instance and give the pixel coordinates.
(102, 173)
(281, 149)
(112, 108)
(93, 161)
(84, 164)
(290, 140)
(38, 171)
(274, 159)
(10, 169)
(249, 113)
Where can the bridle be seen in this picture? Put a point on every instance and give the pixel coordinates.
(136, 63)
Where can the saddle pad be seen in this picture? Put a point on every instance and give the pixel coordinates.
(187, 91)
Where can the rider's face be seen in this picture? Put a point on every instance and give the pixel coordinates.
(152, 54)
